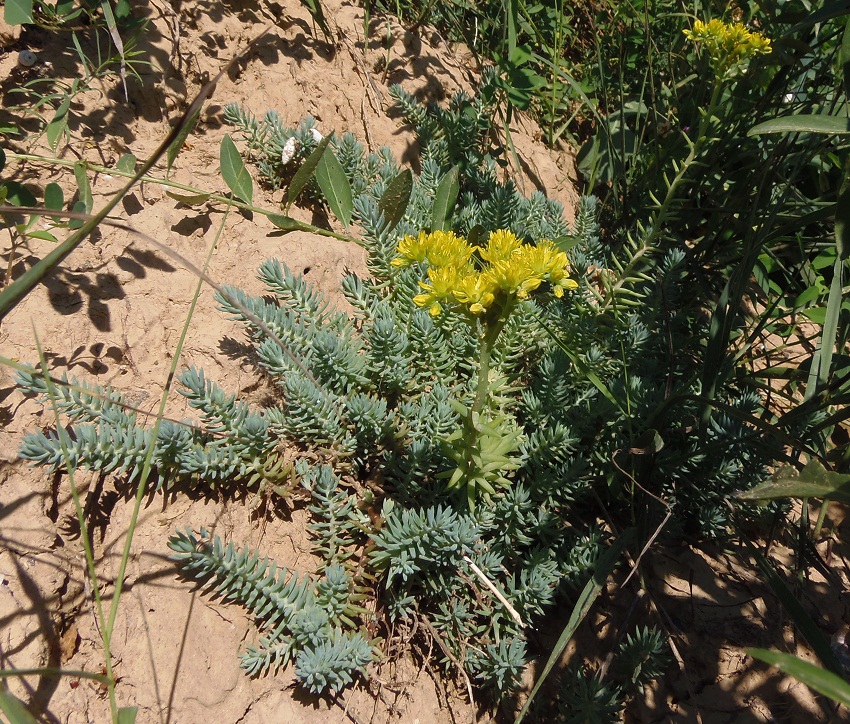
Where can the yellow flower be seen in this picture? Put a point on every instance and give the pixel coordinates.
(728, 44)
(443, 282)
(547, 262)
(439, 248)
(475, 290)
(500, 246)
(513, 277)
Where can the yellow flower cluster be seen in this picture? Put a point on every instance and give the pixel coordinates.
(504, 269)
(728, 44)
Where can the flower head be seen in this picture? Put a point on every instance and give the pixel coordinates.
(511, 270)
(728, 44)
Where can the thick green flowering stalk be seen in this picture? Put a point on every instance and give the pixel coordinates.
(485, 284)
(729, 46)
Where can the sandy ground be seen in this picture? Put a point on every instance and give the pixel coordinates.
(114, 312)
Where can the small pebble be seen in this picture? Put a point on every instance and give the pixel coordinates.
(288, 151)
(27, 58)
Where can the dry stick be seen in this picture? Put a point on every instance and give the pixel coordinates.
(496, 592)
(451, 657)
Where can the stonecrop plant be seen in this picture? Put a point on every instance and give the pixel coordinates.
(460, 434)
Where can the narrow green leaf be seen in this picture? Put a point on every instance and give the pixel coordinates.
(84, 187)
(318, 15)
(177, 144)
(127, 163)
(445, 200)
(58, 126)
(127, 714)
(394, 202)
(304, 174)
(80, 208)
(813, 481)
(818, 642)
(335, 186)
(844, 59)
(803, 123)
(18, 195)
(603, 568)
(842, 213)
(188, 199)
(233, 171)
(18, 12)
(14, 709)
(830, 325)
(822, 681)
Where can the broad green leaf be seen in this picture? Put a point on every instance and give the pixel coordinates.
(54, 199)
(813, 481)
(14, 710)
(18, 195)
(18, 12)
(815, 314)
(84, 187)
(177, 144)
(304, 174)
(565, 243)
(58, 126)
(445, 200)
(127, 714)
(822, 681)
(127, 163)
(233, 171)
(393, 203)
(603, 568)
(41, 234)
(188, 199)
(80, 208)
(335, 186)
(803, 123)
(287, 223)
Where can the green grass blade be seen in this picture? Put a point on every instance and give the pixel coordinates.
(14, 710)
(604, 566)
(335, 186)
(820, 680)
(807, 627)
(176, 144)
(305, 173)
(234, 172)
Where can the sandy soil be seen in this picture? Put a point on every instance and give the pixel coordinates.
(114, 312)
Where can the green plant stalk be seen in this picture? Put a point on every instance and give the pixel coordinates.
(493, 326)
(140, 491)
(227, 200)
(84, 532)
(664, 208)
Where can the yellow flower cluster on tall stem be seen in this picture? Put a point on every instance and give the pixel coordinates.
(486, 283)
(728, 44)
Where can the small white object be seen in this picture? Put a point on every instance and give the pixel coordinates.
(27, 58)
(288, 151)
(317, 136)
